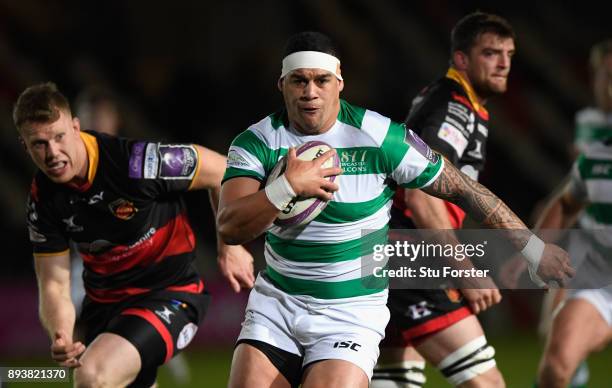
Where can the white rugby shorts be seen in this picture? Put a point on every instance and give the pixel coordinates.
(600, 298)
(347, 329)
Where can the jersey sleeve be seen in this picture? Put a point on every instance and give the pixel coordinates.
(409, 160)
(163, 167)
(443, 125)
(44, 227)
(248, 156)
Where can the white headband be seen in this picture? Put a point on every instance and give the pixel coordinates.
(310, 60)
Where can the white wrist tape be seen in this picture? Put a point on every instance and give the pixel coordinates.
(533, 250)
(280, 193)
(533, 254)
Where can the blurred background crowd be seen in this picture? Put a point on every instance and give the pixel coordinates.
(202, 71)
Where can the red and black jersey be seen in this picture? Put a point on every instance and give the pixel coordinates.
(128, 221)
(449, 118)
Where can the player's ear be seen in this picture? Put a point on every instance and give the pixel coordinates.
(460, 60)
(76, 124)
(341, 82)
(279, 84)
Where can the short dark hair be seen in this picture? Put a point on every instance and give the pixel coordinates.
(598, 52)
(40, 104)
(470, 27)
(310, 41)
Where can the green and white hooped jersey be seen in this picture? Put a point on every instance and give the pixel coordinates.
(592, 183)
(323, 259)
(592, 126)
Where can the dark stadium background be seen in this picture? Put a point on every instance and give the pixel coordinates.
(201, 71)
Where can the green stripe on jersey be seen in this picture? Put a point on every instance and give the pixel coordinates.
(601, 212)
(342, 212)
(316, 252)
(256, 147)
(394, 146)
(279, 119)
(232, 172)
(253, 145)
(594, 168)
(350, 114)
(587, 133)
(328, 290)
(430, 171)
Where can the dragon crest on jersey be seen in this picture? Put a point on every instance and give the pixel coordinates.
(122, 209)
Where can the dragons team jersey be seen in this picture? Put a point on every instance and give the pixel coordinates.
(322, 259)
(449, 118)
(128, 221)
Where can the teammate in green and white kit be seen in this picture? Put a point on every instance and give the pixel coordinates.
(593, 125)
(584, 322)
(313, 317)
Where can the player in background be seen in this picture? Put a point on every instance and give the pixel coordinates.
(593, 125)
(119, 200)
(98, 110)
(450, 116)
(582, 323)
(313, 317)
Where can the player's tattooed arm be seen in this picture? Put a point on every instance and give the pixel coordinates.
(479, 202)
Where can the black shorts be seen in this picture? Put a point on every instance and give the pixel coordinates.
(416, 314)
(159, 324)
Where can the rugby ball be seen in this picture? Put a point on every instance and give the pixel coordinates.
(301, 211)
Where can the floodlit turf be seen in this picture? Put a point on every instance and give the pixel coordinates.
(517, 357)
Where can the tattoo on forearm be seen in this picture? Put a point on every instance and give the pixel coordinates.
(477, 201)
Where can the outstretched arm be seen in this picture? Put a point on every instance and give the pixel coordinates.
(211, 167)
(476, 200)
(235, 262)
(550, 261)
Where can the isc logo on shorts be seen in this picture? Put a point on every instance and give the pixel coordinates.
(347, 344)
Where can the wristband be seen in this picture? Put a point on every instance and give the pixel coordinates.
(533, 250)
(533, 254)
(280, 193)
